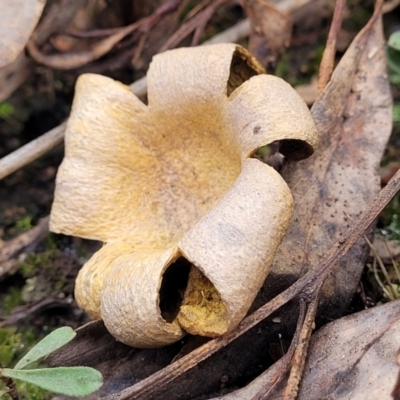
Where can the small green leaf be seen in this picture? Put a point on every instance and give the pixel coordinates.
(396, 112)
(394, 40)
(47, 345)
(393, 60)
(71, 381)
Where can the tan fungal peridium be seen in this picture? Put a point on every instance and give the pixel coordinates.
(191, 222)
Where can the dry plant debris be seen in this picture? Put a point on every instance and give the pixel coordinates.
(352, 358)
(270, 32)
(191, 222)
(344, 99)
(341, 178)
(18, 19)
(340, 281)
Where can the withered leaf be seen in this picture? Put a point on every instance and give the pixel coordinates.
(353, 117)
(353, 358)
(18, 18)
(270, 32)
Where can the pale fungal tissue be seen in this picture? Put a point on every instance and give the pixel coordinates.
(189, 219)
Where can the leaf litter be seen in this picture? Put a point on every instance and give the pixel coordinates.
(353, 117)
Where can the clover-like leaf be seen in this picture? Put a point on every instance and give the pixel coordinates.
(52, 342)
(190, 220)
(71, 381)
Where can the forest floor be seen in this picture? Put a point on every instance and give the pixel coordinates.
(39, 295)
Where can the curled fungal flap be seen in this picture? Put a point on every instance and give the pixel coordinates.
(191, 223)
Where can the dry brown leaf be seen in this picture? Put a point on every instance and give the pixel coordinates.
(270, 32)
(353, 117)
(18, 19)
(353, 358)
(171, 185)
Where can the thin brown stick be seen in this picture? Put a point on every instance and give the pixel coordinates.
(390, 291)
(308, 285)
(95, 33)
(74, 60)
(198, 20)
(22, 313)
(390, 6)
(385, 291)
(15, 246)
(203, 22)
(285, 361)
(395, 267)
(300, 355)
(31, 151)
(328, 57)
(58, 16)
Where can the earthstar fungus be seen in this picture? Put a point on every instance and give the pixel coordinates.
(190, 221)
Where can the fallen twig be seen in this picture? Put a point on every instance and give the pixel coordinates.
(299, 357)
(328, 57)
(15, 246)
(195, 24)
(390, 6)
(30, 310)
(31, 151)
(74, 60)
(58, 16)
(285, 361)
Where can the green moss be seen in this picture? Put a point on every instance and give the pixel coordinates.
(391, 218)
(28, 392)
(50, 243)
(6, 110)
(11, 300)
(13, 345)
(10, 345)
(396, 110)
(33, 261)
(24, 224)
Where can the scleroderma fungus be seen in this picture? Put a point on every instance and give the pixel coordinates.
(190, 221)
